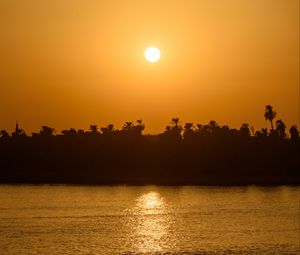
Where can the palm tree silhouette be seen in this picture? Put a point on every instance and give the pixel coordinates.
(188, 129)
(128, 126)
(175, 122)
(270, 114)
(213, 124)
(176, 128)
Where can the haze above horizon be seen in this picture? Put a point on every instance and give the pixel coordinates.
(75, 63)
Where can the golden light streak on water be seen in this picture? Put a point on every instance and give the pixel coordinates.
(150, 230)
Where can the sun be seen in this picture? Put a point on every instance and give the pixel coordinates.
(152, 54)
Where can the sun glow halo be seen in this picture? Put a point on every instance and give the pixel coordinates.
(152, 54)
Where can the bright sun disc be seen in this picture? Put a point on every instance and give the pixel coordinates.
(152, 54)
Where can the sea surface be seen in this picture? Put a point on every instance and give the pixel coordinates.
(148, 220)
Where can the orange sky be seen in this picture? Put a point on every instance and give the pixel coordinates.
(72, 63)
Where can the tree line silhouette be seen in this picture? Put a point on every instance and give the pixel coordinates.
(183, 154)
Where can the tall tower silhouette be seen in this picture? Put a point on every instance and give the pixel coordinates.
(17, 127)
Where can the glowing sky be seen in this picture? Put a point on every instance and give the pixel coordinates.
(72, 63)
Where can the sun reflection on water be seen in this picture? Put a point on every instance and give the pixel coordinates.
(151, 200)
(150, 224)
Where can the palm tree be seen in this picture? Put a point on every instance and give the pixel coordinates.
(213, 124)
(188, 129)
(128, 126)
(270, 114)
(175, 125)
(280, 128)
(175, 122)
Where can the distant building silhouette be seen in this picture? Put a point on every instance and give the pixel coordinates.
(17, 127)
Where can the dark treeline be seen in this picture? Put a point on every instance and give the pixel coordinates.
(183, 154)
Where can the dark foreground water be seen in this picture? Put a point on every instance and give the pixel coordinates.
(148, 220)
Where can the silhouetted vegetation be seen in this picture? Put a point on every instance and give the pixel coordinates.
(188, 153)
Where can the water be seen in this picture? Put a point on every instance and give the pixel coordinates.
(148, 220)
